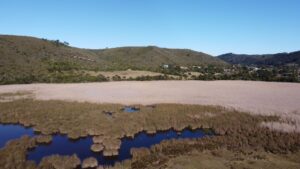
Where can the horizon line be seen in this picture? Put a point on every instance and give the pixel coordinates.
(149, 45)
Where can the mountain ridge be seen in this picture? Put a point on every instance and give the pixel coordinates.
(149, 57)
(277, 59)
(26, 59)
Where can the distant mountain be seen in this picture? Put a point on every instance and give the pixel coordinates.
(278, 59)
(23, 52)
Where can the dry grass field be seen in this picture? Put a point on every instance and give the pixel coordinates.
(267, 98)
(244, 122)
(256, 97)
(224, 159)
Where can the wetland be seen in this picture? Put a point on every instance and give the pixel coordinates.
(66, 134)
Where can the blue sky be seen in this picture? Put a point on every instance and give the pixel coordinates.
(211, 26)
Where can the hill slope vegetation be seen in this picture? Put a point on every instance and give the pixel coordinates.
(28, 59)
(278, 59)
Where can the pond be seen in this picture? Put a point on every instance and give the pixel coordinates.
(12, 131)
(130, 109)
(63, 146)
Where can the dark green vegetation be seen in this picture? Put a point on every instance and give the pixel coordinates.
(260, 73)
(279, 59)
(28, 60)
(288, 73)
(241, 135)
(268, 67)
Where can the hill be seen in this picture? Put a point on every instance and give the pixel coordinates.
(23, 58)
(278, 59)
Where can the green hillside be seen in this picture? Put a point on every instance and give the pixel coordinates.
(278, 59)
(152, 57)
(28, 59)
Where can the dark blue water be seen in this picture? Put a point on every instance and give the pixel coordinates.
(129, 109)
(63, 146)
(10, 131)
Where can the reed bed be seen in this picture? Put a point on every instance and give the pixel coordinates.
(234, 130)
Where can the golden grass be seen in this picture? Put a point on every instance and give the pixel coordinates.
(83, 119)
(60, 162)
(224, 159)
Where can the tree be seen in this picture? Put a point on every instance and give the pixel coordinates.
(66, 43)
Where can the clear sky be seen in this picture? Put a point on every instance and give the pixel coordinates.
(211, 26)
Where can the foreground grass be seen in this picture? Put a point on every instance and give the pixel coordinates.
(224, 159)
(6, 97)
(237, 132)
(83, 119)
